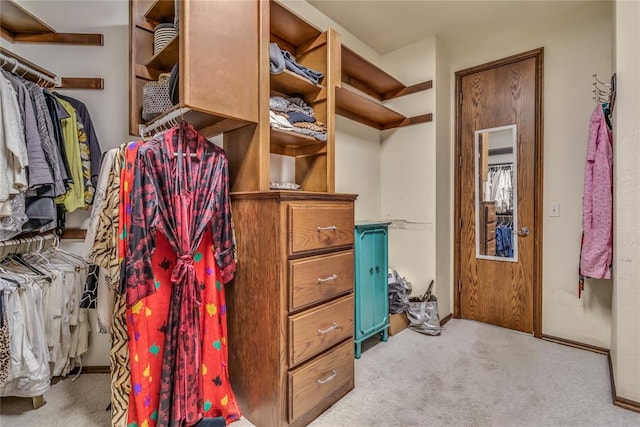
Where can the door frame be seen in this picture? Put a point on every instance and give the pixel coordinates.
(538, 55)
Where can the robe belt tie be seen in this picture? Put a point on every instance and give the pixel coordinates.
(184, 268)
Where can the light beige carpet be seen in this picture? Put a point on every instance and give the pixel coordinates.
(472, 375)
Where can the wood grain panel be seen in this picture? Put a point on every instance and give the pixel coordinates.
(362, 70)
(218, 64)
(314, 226)
(161, 11)
(290, 27)
(255, 302)
(313, 382)
(316, 279)
(16, 19)
(317, 329)
(496, 292)
(288, 82)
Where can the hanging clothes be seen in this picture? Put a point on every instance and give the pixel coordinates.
(597, 201)
(181, 254)
(501, 187)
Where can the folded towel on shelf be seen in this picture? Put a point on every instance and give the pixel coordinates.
(317, 126)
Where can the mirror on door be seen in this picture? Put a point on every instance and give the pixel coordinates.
(496, 193)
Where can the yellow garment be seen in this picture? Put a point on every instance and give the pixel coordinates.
(74, 197)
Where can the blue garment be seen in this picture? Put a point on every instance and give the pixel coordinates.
(296, 116)
(504, 241)
(291, 65)
(276, 65)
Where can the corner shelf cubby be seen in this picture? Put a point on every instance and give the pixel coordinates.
(364, 88)
(218, 80)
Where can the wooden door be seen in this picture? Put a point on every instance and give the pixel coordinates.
(500, 94)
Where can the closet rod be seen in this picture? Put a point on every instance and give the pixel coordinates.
(170, 119)
(36, 73)
(42, 241)
(16, 64)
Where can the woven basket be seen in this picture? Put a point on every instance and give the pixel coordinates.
(155, 97)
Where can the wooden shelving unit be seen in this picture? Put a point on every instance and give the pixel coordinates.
(218, 80)
(19, 25)
(249, 150)
(168, 56)
(367, 87)
(289, 82)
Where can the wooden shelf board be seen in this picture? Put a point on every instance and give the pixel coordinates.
(82, 83)
(16, 19)
(352, 105)
(368, 74)
(290, 27)
(19, 25)
(292, 139)
(207, 123)
(161, 11)
(290, 83)
(167, 57)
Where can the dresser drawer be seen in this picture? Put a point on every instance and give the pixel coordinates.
(315, 381)
(318, 278)
(319, 226)
(490, 234)
(315, 330)
(491, 213)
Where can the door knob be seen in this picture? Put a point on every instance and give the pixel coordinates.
(524, 231)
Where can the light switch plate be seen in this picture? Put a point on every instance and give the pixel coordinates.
(555, 210)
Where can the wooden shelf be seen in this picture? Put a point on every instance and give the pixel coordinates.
(358, 107)
(289, 27)
(351, 104)
(19, 25)
(290, 83)
(371, 85)
(290, 138)
(206, 122)
(161, 11)
(164, 60)
(363, 75)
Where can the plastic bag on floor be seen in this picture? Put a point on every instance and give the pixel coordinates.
(423, 313)
(399, 290)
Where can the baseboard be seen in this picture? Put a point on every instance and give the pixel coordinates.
(629, 404)
(445, 319)
(95, 370)
(576, 344)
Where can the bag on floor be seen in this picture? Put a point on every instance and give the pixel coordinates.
(423, 313)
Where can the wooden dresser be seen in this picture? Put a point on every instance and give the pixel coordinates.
(487, 228)
(290, 307)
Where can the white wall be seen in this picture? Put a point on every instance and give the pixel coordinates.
(575, 46)
(358, 157)
(108, 108)
(625, 339)
(444, 185)
(408, 169)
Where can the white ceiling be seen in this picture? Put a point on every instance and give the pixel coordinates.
(386, 25)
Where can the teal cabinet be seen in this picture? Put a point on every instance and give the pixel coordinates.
(371, 295)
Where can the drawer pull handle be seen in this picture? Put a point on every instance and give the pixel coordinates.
(328, 279)
(329, 228)
(329, 329)
(329, 378)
